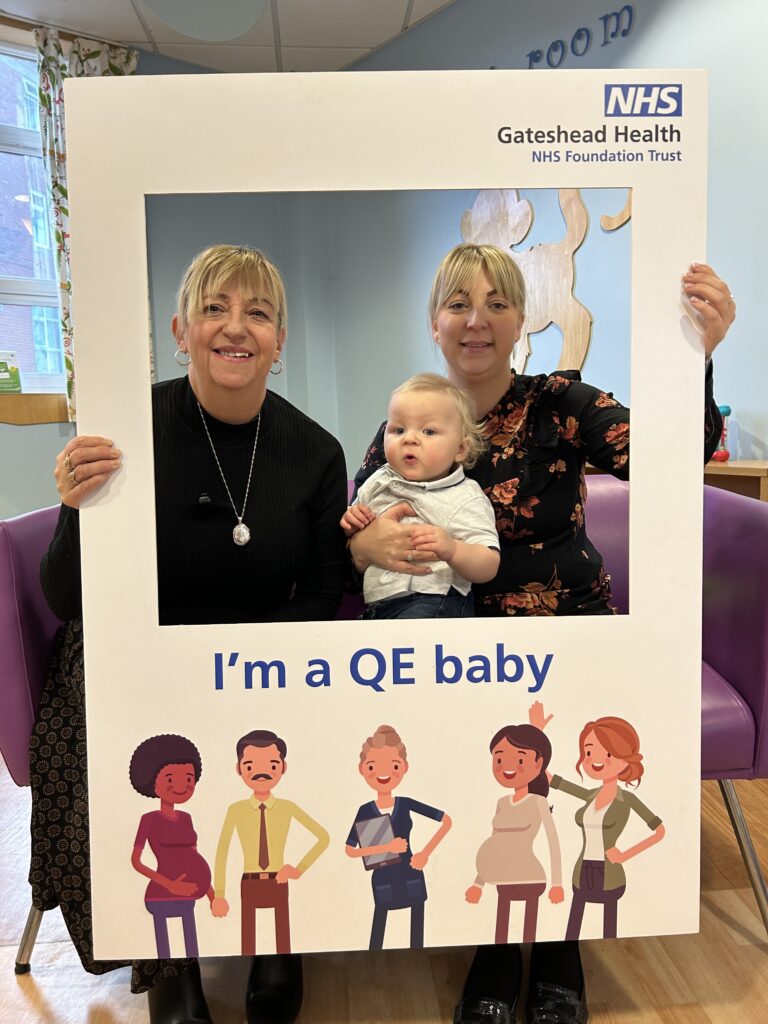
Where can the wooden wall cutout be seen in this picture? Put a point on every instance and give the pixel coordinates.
(614, 223)
(499, 217)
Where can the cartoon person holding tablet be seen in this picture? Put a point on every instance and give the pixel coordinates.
(381, 835)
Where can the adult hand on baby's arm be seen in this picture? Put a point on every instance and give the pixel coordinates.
(356, 518)
(387, 544)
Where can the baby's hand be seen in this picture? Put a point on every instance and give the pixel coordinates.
(433, 538)
(356, 518)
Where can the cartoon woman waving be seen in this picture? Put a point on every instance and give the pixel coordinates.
(169, 767)
(520, 755)
(381, 834)
(609, 753)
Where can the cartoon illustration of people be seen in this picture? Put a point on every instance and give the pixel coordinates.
(262, 823)
(520, 755)
(381, 834)
(609, 753)
(169, 767)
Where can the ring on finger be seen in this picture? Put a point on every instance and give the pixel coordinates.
(409, 557)
(731, 298)
(71, 478)
(68, 464)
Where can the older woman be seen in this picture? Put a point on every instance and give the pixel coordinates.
(541, 431)
(248, 497)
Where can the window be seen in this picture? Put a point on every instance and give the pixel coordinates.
(29, 318)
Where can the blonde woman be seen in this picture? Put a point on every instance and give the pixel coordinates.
(247, 488)
(541, 430)
(397, 879)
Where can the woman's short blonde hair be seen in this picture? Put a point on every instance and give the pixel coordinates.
(385, 736)
(254, 274)
(465, 406)
(459, 268)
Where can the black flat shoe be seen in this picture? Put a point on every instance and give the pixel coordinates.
(484, 1011)
(179, 999)
(553, 1004)
(275, 989)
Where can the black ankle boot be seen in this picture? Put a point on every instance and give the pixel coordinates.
(275, 989)
(179, 999)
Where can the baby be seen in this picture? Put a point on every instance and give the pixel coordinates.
(430, 435)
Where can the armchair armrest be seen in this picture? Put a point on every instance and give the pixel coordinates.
(735, 602)
(27, 630)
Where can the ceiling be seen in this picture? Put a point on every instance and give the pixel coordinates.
(290, 35)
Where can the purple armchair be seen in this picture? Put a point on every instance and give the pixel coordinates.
(734, 667)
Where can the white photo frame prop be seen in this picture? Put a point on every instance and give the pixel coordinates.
(129, 138)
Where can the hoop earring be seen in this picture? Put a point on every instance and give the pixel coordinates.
(181, 352)
(276, 373)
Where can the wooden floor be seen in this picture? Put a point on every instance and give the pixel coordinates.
(717, 977)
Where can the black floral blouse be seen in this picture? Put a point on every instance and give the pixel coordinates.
(540, 435)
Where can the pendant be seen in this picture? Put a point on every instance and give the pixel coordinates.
(241, 534)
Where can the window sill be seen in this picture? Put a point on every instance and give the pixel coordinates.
(23, 410)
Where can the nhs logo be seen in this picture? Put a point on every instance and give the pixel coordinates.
(643, 100)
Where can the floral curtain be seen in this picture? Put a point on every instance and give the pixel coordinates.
(86, 59)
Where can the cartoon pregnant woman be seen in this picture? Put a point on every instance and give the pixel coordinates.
(520, 755)
(609, 753)
(169, 767)
(381, 835)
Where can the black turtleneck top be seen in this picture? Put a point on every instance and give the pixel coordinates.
(291, 570)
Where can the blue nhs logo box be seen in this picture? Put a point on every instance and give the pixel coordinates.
(643, 100)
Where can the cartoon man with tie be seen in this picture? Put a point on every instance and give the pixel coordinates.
(262, 823)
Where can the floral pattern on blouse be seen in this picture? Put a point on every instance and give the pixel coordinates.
(541, 434)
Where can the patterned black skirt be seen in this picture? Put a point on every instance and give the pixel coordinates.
(60, 869)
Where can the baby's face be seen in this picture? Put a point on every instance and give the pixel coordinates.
(424, 439)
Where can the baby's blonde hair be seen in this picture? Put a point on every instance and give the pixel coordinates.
(465, 406)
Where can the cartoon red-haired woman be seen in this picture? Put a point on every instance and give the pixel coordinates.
(609, 753)
(169, 767)
(520, 755)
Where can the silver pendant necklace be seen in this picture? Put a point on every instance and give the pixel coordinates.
(241, 534)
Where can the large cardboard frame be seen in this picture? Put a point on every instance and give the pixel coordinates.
(129, 138)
